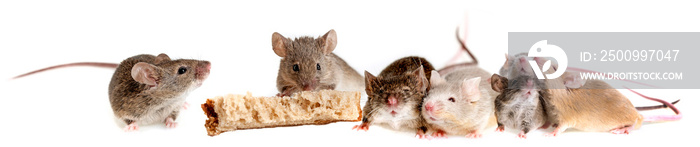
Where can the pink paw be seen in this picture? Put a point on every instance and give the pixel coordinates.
(439, 134)
(422, 136)
(500, 129)
(522, 135)
(185, 105)
(170, 123)
(552, 134)
(362, 126)
(620, 131)
(131, 127)
(474, 135)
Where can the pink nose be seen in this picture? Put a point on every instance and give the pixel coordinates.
(392, 100)
(429, 107)
(307, 88)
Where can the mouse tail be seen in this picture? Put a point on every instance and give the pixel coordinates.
(93, 64)
(655, 118)
(645, 108)
(462, 42)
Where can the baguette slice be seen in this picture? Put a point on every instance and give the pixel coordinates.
(238, 112)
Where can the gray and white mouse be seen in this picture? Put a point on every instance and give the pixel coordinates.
(519, 106)
(396, 95)
(146, 88)
(308, 64)
(460, 103)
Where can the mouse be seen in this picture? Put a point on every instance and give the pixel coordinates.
(518, 65)
(395, 96)
(460, 103)
(308, 64)
(519, 104)
(145, 88)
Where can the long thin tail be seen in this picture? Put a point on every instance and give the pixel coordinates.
(94, 64)
(464, 48)
(678, 115)
(645, 108)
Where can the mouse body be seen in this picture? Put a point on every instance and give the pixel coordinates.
(308, 64)
(145, 89)
(396, 94)
(520, 104)
(461, 102)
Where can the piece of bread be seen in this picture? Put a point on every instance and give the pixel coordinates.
(237, 112)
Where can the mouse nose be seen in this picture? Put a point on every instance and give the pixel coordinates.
(392, 100)
(429, 107)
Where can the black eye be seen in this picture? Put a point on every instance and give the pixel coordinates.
(182, 70)
(318, 67)
(451, 99)
(295, 67)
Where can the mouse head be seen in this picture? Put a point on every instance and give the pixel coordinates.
(519, 65)
(171, 75)
(395, 96)
(450, 102)
(519, 89)
(304, 59)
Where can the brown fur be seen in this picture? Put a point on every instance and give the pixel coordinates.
(306, 52)
(133, 101)
(404, 79)
(513, 109)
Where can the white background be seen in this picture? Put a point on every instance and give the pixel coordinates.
(70, 106)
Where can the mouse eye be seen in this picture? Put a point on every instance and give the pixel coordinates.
(295, 67)
(182, 70)
(451, 99)
(318, 66)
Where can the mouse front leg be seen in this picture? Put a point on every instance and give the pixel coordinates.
(288, 91)
(500, 128)
(170, 120)
(420, 133)
(439, 134)
(557, 130)
(130, 125)
(363, 126)
(474, 134)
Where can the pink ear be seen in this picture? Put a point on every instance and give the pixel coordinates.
(470, 88)
(144, 73)
(435, 78)
(278, 42)
(331, 39)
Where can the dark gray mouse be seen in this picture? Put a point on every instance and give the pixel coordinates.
(147, 89)
(308, 64)
(519, 106)
(396, 95)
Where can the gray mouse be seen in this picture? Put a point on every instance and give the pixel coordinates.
(520, 104)
(396, 94)
(308, 64)
(460, 103)
(146, 88)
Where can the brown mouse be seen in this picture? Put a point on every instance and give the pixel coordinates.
(146, 88)
(396, 94)
(460, 103)
(519, 105)
(308, 64)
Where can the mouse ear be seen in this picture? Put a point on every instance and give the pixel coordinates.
(330, 40)
(145, 73)
(498, 83)
(370, 80)
(162, 57)
(435, 78)
(422, 82)
(470, 89)
(278, 46)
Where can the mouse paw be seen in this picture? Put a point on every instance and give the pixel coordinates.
(623, 130)
(185, 105)
(474, 134)
(522, 135)
(362, 126)
(439, 134)
(170, 123)
(422, 135)
(131, 127)
(500, 129)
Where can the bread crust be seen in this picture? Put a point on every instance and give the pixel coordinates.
(213, 127)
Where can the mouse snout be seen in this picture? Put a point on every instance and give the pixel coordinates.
(429, 107)
(308, 86)
(392, 100)
(202, 70)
